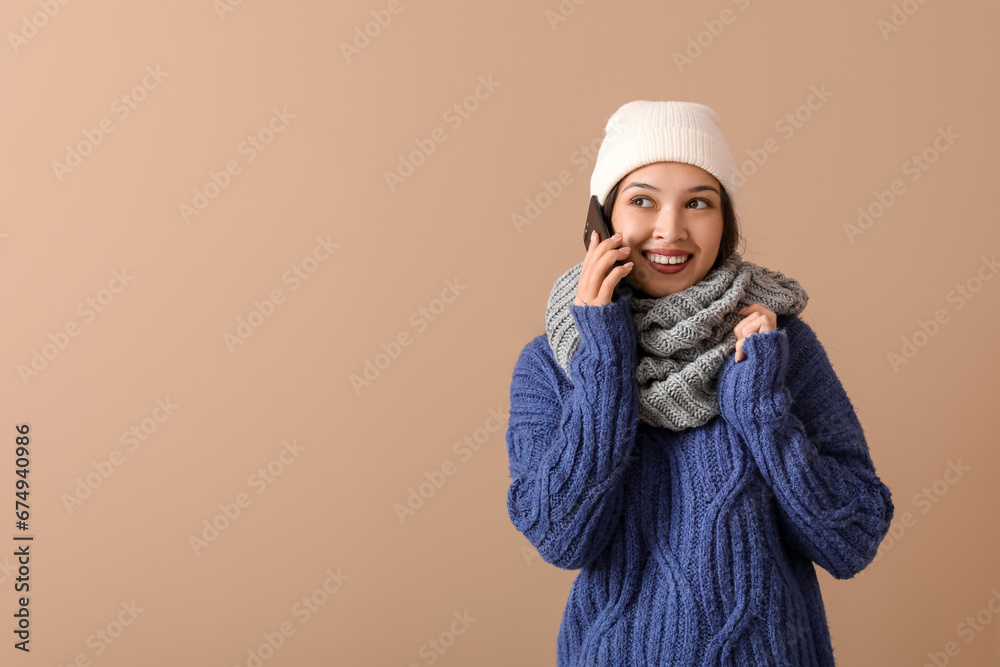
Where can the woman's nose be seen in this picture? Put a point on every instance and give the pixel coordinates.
(669, 225)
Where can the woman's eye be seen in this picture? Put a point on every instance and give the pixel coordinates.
(640, 197)
(707, 204)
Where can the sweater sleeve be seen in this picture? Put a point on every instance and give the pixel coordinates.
(793, 413)
(569, 446)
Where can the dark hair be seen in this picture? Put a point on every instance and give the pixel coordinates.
(730, 223)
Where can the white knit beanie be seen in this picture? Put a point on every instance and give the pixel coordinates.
(643, 132)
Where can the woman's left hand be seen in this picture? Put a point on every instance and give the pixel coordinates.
(758, 319)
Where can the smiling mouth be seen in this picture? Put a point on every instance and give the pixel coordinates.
(667, 260)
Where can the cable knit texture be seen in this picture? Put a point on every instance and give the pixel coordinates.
(683, 338)
(695, 547)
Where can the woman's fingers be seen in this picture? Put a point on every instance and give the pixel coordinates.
(595, 278)
(757, 319)
(608, 288)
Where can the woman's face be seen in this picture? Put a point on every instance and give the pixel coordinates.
(669, 206)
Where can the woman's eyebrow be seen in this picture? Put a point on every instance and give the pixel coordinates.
(639, 184)
(697, 188)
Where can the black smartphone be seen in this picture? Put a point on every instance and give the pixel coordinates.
(596, 221)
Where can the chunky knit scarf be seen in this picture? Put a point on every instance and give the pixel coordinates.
(683, 338)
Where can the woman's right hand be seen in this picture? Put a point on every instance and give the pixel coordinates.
(597, 286)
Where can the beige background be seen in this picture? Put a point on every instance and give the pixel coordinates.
(334, 505)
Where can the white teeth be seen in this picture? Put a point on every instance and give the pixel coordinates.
(666, 259)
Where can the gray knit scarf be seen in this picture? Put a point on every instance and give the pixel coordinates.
(683, 338)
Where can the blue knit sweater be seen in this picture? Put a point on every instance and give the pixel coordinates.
(694, 547)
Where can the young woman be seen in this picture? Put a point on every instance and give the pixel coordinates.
(679, 434)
